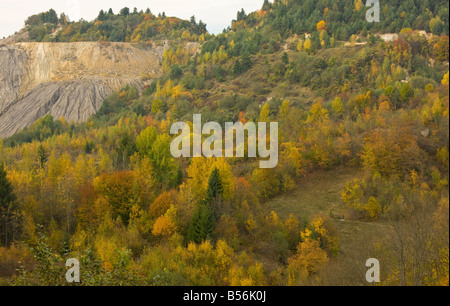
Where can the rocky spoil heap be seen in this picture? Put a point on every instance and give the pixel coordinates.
(67, 80)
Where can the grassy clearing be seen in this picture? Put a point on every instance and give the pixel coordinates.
(319, 193)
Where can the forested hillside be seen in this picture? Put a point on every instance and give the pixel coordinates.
(126, 26)
(349, 105)
(343, 19)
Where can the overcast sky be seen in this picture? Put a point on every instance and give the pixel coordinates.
(217, 14)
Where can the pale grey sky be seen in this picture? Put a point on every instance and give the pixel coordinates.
(217, 14)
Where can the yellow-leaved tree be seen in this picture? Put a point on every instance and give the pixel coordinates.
(306, 262)
(165, 225)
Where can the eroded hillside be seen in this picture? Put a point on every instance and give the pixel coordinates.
(67, 79)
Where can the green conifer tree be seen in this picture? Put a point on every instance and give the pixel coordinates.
(41, 156)
(9, 214)
(204, 220)
(202, 224)
(215, 189)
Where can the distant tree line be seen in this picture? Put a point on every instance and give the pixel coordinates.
(126, 26)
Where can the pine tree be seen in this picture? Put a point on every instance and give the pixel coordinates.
(8, 209)
(204, 219)
(125, 11)
(202, 224)
(202, 27)
(101, 15)
(285, 59)
(241, 15)
(237, 68)
(193, 20)
(215, 188)
(41, 156)
(246, 62)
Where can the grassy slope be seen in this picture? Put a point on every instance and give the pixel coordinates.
(318, 193)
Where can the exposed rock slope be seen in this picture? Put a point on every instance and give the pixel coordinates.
(66, 79)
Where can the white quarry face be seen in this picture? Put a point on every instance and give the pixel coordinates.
(67, 80)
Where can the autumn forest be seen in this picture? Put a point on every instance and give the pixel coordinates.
(363, 170)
